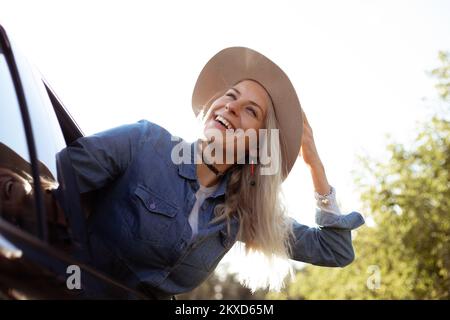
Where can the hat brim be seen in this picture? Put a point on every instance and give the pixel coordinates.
(10, 159)
(234, 64)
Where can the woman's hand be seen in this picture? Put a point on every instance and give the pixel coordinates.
(311, 157)
(308, 149)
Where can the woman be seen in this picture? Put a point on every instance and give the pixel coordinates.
(162, 225)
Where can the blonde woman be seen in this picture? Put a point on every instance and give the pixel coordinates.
(166, 211)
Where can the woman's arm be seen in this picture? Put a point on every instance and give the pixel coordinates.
(308, 152)
(330, 244)
(100, 158)
(321, 185)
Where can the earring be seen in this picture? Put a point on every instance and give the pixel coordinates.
(252, 168)
(252, 171)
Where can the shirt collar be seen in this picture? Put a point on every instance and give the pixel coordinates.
(189, 171)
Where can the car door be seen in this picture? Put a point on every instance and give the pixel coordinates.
(34, 127)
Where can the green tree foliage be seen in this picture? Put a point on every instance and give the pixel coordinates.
(405, 252)
(443, 75)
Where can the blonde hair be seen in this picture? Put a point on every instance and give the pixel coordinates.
(264, 228)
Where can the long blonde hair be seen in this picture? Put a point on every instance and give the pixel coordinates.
(264, 228)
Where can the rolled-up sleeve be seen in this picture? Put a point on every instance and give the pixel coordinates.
(98, 159)
(329, 244)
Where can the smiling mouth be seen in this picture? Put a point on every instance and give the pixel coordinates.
(224, 122)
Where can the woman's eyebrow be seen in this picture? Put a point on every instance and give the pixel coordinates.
(257, 105)
(251, 101)
(236, 90)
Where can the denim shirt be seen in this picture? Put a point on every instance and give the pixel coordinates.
(139, 231)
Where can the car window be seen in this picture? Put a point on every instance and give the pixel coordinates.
(48, 137)
(60, 196)
(16, 186)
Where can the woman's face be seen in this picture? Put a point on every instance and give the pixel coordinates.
(16, 199)
(243, 106)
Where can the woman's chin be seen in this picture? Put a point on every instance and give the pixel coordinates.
(213, 133)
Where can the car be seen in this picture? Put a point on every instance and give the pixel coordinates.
(38, 258)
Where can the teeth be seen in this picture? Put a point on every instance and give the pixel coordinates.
(224, 121)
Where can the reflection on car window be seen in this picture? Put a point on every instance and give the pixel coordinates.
(48, 137)
(16, 191)
(49, 140)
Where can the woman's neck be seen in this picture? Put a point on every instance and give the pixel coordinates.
(205, 175)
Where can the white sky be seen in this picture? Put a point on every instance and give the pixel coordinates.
(358, 66)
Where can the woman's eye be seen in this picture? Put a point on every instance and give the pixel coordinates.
(231, 95)
(252, 111)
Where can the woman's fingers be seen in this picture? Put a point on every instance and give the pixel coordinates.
(305, 134)
(305, 119)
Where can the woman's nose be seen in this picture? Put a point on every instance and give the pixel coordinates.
(232, 107)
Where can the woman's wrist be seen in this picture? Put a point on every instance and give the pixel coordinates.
(321, 185)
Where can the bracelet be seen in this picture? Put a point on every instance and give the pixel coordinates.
(325, 198)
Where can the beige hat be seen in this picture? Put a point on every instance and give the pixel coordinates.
(234, 64)
(10, 159)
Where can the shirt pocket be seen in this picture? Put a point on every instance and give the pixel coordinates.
(155, 216)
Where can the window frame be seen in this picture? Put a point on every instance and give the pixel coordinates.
(6, 48)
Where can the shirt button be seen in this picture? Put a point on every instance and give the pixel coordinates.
(204, 206)
(152, 205)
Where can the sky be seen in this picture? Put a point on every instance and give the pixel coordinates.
(359, 67)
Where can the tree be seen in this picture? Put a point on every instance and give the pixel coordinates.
(406, 253)
(443, 75)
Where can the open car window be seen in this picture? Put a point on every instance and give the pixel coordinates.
(36, 260)
(17, 203)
